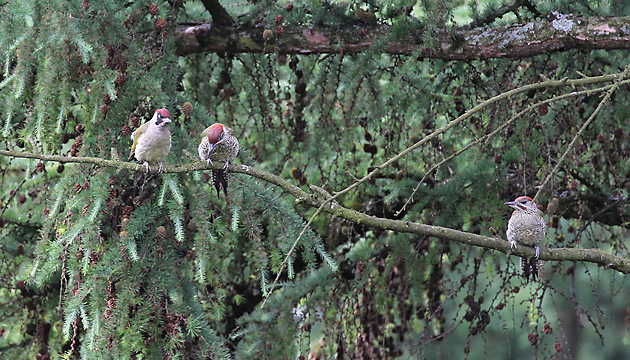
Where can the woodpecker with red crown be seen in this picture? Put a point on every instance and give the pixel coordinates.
(218, 144)
(526, 227)
(152, 140)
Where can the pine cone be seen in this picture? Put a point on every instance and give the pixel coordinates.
(153, 9)
(187, 108)
(120, 79)
(533, 338)
(127, 210)
(160, 24)
(75, 147)
(160, 232)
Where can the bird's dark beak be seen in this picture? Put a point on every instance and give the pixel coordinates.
(166, 120)
(211, 147)
(511, 203)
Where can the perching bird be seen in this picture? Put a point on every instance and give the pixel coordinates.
(152, 140)
(526, 227)
(218, 144)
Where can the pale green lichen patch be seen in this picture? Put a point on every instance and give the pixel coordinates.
(562, 23)
(517, 36)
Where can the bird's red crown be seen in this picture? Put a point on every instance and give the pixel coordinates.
(521, 198)
(163, 112)
(215, 132)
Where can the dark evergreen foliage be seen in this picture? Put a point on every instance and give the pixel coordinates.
(106, 263)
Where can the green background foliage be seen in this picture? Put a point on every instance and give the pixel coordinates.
(105, 263)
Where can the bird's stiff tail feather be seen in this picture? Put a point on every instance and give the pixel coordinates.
(219, 180)
(529, 266)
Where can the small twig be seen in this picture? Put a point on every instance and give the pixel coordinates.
(352, 176)
(286, 258)
(13, 193)
(617, 83)
(471, 112)
(581, 74)
(326, 196)
(491, 16)
(531, 7)
(584, 181)
(493, 133)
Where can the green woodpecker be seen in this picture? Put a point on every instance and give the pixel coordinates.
(526, 227)
(218, 144)
(152, 140)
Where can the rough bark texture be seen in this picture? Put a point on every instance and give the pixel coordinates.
(557, 32)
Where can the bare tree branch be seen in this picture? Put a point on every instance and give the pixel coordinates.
(595, 256)
(584, 126)
(503, 126)
(471, 112)
(555, 33)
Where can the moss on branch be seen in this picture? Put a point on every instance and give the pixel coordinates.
(595, 256)
(543, 36)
